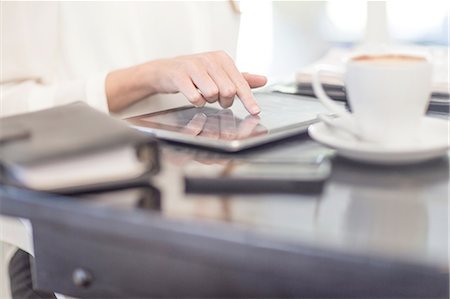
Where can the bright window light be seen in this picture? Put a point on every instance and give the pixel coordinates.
(254, 50)
(348, 18)
(410, 21)
(420, 20)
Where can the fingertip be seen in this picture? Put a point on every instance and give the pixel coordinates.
(263, 79)
(199, 104)
(254, 109)
(250, 104)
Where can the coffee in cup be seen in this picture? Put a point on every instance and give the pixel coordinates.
(388, 95)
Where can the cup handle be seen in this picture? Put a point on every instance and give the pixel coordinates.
(320, 93)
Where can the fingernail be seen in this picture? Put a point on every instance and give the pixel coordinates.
(254, 109)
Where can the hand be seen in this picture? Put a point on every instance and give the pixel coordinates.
(206, 77)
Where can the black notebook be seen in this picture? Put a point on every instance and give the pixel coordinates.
(73, 147)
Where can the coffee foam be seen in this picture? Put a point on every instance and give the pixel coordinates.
(388, 59)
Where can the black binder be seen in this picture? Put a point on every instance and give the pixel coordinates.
(439, 101)
(67, 148)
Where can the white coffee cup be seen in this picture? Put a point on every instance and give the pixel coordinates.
(388, 95)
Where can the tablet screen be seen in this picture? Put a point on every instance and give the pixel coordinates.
(277, 112)
(206, 122)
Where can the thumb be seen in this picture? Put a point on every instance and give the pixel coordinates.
(255, 81)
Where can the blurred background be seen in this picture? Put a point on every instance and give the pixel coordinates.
(278, 38)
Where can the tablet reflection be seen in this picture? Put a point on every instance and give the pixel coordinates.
(224, 125)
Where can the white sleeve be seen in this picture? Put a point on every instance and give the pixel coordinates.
(29, 51)
(30, 95)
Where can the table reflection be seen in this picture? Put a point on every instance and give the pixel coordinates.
(396, 211)
(400, 210)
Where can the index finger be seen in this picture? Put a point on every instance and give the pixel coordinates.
(242, 88)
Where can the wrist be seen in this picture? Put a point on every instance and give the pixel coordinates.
(157, 76)
(127, 86)
(145, 79)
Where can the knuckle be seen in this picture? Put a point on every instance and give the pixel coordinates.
(229, 92)
(191, 66)
(243, 86)
(204, 59)
(212, 92)
(208, 61)
(222, 54)
(218, 56)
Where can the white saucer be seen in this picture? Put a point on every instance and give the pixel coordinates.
(433, 142)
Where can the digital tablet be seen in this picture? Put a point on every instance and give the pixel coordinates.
(233, 129)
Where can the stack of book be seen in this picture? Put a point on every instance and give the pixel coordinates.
(333, 82)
